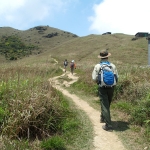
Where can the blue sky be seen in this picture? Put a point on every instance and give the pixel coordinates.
(81, 17)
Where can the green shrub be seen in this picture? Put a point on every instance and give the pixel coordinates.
(37, 115)
(13, 48)
(28, 97)
(141, 112)
(124, 106)
(53, 143)
(69, 124)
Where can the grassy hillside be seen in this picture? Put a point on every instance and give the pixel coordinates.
(85, 49)
(38, 39)
(131, 99)
(132, 91)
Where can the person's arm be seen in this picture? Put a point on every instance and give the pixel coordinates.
(115, 72)
(95, 73)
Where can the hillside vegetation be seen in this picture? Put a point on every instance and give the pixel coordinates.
(25, 81)
(16, 44)
(13, 48)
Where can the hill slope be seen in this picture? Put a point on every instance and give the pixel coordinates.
(43, 37)
(85, 49)
(82, 49)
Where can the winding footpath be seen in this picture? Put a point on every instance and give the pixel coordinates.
(102, 139)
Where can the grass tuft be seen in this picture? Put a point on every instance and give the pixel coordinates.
(53, 143)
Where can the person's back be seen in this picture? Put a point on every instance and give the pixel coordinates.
(72, 66)
(105, 90)
(65, 64)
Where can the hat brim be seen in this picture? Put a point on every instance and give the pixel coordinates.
(109, 54)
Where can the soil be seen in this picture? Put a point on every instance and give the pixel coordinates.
(102, 140)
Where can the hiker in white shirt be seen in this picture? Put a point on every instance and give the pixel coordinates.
(105, 92)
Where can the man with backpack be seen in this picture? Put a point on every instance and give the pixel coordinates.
(106, 76)
(65, 64)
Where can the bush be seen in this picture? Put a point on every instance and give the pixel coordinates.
(38, 108)
(13, 48)
(36, 115)
(141, 113)
(54, 143)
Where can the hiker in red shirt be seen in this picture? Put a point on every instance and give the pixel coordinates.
(72, 66)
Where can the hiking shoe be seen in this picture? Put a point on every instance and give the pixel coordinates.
(106, 128)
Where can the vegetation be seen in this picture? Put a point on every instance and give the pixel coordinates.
(13, 48)
(33, 115)
(31, 109)
(131, 97)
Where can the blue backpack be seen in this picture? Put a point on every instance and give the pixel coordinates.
(106, 75)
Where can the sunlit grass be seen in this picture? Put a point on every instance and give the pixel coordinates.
(31, 109)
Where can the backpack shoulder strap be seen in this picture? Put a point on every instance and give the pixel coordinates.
(105, 66)
(105, 63)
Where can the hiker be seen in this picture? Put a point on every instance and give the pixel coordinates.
(105, 91)
(65, 64)
(72, 66)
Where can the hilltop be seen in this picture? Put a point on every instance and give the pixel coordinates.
(41, 37)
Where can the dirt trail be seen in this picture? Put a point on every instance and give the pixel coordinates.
(102, 140)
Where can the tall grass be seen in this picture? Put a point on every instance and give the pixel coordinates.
(25, 103)
(31, 109)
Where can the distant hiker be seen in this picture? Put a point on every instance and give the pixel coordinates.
(72, 66)
(65, 64)
(106, 76)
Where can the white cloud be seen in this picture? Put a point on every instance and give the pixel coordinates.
(8, 6)
(23, 13)
(121, 16)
